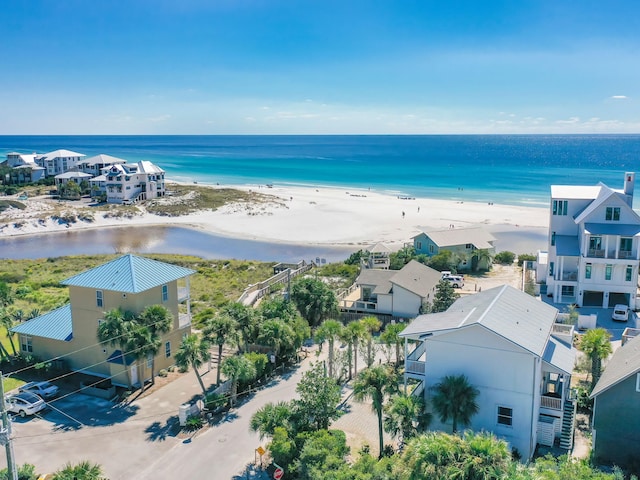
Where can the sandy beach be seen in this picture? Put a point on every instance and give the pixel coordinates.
(307, 215)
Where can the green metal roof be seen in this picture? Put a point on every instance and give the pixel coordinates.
(56, 325)
(129, 274)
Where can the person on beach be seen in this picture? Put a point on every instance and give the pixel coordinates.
(403, 214)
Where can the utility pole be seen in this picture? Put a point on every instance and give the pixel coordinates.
(5, 435)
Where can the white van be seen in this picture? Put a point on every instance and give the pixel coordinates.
(456, 281)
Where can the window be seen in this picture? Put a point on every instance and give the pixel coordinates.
(628, 273)
(469, 246)
(587, 271)
(167, 349)
(431, 249)
(418, 245)
(612, 213)
(595, 243)
(551, 265)
(505, 416)
(99, 302)
(607, 272)
(165, 293)
(626, 244)
(568, 290)
(560, 207)
(553, 238)
(26, 344)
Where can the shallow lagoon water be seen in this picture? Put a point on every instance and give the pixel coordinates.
(159, 239)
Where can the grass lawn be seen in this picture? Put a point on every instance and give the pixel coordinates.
(11, 383)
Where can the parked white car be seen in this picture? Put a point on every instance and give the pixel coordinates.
(24, 403)
(457, 281)
(42, 389)
(620, 313)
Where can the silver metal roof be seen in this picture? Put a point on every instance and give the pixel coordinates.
(56, 325)
(507, 312)
(560, 355)
(624, 363)
(129, 274)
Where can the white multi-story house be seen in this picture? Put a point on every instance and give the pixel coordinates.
(24, 168)
(133, 182)
(59, 161)
(96, 165)
(594, 245)
(509, 346)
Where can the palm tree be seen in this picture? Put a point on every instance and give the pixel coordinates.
(6, 321)
(220, 330)
(595, 343)
(391, 337)
(406, 416)
(267, 418)
(478, 257)
(246, 318)
(115, 330)
(193, 353)
(159, 321)
(35, 312)
(371, 325)
(277, 335)
(329, 330)
(352, 334)
(82, 471)
(455, 398)
(140, 345)
(375, 383)
(237, 369)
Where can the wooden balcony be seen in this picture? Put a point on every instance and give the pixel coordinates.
(553, 403)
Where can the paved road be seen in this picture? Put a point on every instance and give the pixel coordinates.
(139, 442)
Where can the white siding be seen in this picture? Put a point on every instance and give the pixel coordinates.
(405, 303)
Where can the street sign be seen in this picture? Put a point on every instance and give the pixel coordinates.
(260, 450)
(278, 473)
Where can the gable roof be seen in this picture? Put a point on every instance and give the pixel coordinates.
(417, 278)
(56, 325)
(129, 274)
(66, 175)
(380, 278)
(102, 159)
(379, 248)
(149, 167)
(604, 196)
(506, 311)
(61, 154)
(624, 363)
(477, 236)
(575, 192)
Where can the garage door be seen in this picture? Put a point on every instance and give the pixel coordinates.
(617, 298)
(592, 299)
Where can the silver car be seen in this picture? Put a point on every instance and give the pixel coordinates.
(42, 389)
(24, 403)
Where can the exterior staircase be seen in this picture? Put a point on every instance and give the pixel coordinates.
(568, 424)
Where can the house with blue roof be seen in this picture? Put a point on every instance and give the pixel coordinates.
(509, 346)
(594, 245)
(130, 283)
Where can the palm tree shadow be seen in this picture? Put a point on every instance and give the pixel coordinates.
(157, 432)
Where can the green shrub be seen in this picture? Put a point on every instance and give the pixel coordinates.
(193, 423)
(526, 257)
(214, 400)
(163, 373)
(505, 258)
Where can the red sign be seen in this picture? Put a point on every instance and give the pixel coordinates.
(278, 473)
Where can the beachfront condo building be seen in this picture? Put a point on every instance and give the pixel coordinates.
(594, 245)
(59, 161)
(131, 182)
(95, 165)
(70, 333)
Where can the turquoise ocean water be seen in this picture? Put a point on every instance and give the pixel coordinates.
(512, 169)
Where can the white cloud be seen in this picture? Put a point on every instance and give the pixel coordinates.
(619, 97)
(161, 118)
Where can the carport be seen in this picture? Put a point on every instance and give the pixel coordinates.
(616, 298)
(592, 299)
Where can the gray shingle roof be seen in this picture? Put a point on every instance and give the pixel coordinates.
(417, 278)
(56, 325)
(476, 236)
(624, 363)
(508, 312)
(380, 278)
(129, 274)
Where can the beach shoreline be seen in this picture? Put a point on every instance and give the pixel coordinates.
(324, 216)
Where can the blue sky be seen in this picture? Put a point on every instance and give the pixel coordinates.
(319, 67)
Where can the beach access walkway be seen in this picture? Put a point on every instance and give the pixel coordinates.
(283, 273)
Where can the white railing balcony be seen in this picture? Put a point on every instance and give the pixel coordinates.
(415, 367)
(183, 294)
(563, 333)
(551, 402)
(184, 320)
(569, 276)
(625, 255)
(595, 253)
